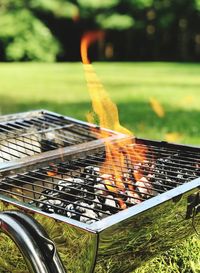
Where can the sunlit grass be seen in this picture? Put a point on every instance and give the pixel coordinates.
(62, 88)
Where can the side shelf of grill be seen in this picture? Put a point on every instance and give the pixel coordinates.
(34, 133)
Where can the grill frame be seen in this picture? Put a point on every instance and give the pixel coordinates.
(95, 146)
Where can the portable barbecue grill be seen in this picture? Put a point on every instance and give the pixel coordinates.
(62, 206)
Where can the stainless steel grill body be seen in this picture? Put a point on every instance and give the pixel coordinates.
(124, 239)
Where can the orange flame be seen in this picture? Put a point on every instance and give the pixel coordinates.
(118, 155)
(157, 107)
(53, 171)
(89, 38)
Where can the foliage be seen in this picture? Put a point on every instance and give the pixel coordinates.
(60, 8)
(115, 21)
(31, 30)
(97, 4)
(141, 4)
(29, 39)
(197, 2)
(23, 35)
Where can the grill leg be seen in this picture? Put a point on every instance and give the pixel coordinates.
(37, 249)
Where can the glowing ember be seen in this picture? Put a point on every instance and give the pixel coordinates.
(118, 155)
(53, 171)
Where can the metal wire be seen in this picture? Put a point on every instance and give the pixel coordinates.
(25, 137)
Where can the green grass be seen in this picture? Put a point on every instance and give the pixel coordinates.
(62, 88)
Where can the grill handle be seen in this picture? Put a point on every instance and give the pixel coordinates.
(37, 249)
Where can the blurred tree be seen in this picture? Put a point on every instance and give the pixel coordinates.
(49, 30)
(105, 14)
(23, 35)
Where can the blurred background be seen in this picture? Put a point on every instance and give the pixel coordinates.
(147, 60)
(136, 30)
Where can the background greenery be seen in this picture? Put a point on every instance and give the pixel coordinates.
(49, 30)
(62, 88)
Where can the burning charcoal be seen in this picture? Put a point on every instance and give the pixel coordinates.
(158, 185)
(143, 186)
(83, 219)
(133, 198)
(180, 176)
(55, 202)
(128, 176)
(104, 215)
(106, 176)
(81, 207)
(70, 185)
(137, 166)
(109, 182)
(88, 213)
(78, 181)
(150, 176)
(92, 170)
(48, 192)
(71, 211)
(100, 190)
(48, 205)
(110, 201)
(91, 175)
(63, 185)
(96, 204)
(98, 179)
(121, 204)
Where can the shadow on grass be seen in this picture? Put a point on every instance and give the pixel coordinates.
(137, 116)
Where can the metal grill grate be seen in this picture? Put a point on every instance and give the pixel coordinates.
(85, 188)
(28, 134)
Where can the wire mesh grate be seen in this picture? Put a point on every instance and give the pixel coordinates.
(38, 133)
(86, 189)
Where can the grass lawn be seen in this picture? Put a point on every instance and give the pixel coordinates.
(62, 88)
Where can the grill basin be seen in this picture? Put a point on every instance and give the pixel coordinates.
(109, 238)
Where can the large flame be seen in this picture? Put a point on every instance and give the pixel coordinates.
(103, 106)
(119, 156)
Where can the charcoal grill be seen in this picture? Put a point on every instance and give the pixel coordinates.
(92, 225)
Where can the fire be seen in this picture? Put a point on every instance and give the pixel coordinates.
(157, 107)
(53, 171)
(104, 108)
(173, 137)
(118, 155)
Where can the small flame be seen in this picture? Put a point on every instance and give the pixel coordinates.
(103, 106)
(89, 38)
(118, 155)
(173, 137)
(53, 171)
(157, 107)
